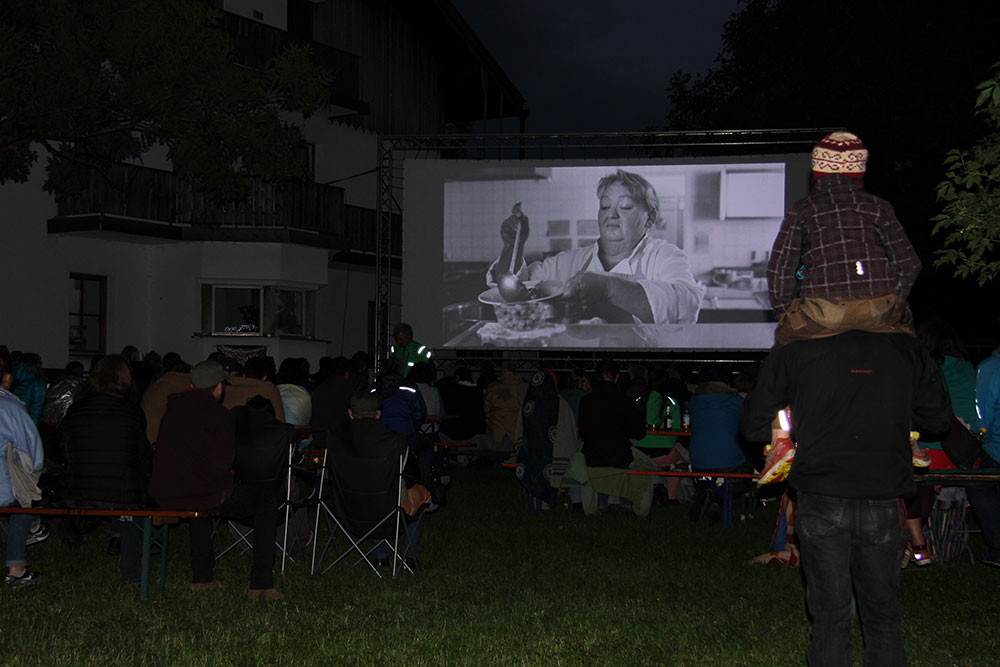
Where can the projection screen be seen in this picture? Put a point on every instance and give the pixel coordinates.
(691, 276)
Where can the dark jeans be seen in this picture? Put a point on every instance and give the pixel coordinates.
(409, 540)
(845, 542)
(985, 502)
(18, 527)
(258, 502)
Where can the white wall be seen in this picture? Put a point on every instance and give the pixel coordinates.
(154, 286)
(33, 296)
(178, 271)
(341, 153)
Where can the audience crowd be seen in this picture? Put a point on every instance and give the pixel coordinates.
(136, 431)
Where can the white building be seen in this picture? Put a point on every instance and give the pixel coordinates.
(151, 264)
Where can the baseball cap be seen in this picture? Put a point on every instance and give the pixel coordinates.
(207, 374)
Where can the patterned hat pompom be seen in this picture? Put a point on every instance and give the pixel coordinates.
(839, 153)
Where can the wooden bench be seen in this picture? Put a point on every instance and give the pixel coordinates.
(958, 476)
(151, 518)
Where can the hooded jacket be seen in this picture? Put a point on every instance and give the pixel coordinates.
(193, 463)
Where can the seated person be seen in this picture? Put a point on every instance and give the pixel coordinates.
(627, 276)
(30, 383)
(175, 379)
(502, 404)
(609, 421)
(463, 400)
(715, 444)
(193, 470)
(17, 430)
(332, 399)
(547, 438)
(371, 437)
(253, 382)
(262, 449)
(402, 410)
(107, 457)
(293, 386)
(59, 396)
(575, 386)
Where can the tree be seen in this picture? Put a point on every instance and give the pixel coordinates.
(93, 84)
(970, 192)
(900, 74)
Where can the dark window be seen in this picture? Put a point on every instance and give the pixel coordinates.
(88, 314)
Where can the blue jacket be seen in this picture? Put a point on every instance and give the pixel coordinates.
(988, 403)
(715, 429)
(30, 388)
(16, 427)
(402, 409)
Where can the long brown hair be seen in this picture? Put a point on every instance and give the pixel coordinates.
(112, 375)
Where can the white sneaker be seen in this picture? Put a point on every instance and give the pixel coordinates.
(38, 533)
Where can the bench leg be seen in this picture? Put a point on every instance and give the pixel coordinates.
(147, 540)
(727, 503)
(164, 534)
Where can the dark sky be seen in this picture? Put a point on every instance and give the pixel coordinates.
(597, 65)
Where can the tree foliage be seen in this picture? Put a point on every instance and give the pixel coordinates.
(970, 220)
(901, 74)
(897, 73)
(92, 84)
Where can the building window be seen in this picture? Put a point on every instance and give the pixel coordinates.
(289, 312)
(88, 314)
(306, 153)
(257, 310)
(236, 309)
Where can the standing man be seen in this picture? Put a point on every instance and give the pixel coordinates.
(408, 351)
(193, 470)
(854, 398)
(985, 500)
(17, 431)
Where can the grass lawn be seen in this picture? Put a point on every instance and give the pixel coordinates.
(499, 587)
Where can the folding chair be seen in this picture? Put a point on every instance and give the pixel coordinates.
(364, 503)
(947, 528)
(280, 471)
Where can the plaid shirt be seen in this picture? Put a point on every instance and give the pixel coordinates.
(850, 243)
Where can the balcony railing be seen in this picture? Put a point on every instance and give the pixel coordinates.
(156, 195)
(256, 43)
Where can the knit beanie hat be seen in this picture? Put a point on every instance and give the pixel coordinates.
(839, 153)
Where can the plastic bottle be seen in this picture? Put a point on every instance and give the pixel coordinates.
(687, 418)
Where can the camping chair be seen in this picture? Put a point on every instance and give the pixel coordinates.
(947, 528)
(279, 469)
(364, 502)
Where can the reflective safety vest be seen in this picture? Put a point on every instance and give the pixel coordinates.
(410, 354)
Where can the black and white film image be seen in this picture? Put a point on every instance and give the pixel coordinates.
(632, 256)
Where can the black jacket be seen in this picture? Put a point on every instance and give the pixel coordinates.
(466, 403)
(262, 444)
(103, 442)
(369, 438)
(853, 400)
(330, 403)
(609, 421)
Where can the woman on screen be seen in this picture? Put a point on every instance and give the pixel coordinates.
(627, 276)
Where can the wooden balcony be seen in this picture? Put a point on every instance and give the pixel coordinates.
(142, 202)
(256, 43)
